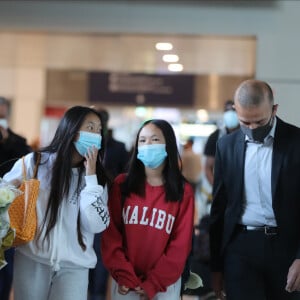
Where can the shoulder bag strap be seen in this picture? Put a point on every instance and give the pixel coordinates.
(38, 159)
(23, 168)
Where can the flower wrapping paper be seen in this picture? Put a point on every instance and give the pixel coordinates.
(8, 193)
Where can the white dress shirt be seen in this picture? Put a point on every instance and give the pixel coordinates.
(257, 210)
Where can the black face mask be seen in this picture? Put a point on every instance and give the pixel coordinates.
(258, 134)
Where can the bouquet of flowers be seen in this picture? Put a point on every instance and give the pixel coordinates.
(7, 194)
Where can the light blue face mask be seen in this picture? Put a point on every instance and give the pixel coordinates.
(153, 155)
(230, 119)
(87, 140)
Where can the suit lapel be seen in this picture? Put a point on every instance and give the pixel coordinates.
(240, 148)
(278, 151)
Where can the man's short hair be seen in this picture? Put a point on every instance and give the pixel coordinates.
(228, 105)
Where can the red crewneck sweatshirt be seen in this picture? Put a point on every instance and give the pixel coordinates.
(148, 239)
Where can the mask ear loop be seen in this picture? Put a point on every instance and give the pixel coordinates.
(274, 109)
(272, 119)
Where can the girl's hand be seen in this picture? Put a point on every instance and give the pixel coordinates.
(90, 161)
(141, 293)
(123, 290)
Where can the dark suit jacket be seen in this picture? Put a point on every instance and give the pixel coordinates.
(229, 183)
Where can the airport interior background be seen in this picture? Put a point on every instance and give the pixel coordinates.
(55, 54)
(142, 59)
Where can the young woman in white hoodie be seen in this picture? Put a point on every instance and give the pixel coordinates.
(71, 208)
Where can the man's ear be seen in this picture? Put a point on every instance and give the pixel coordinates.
(275, 107)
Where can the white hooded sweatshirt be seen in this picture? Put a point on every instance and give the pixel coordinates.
(62, 248)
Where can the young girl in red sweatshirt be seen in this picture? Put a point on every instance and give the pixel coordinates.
(150, 234)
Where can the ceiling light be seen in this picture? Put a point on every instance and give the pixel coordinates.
(164, 46)
(175, 67)
(203, 130)
(170, 58)
(140, 111)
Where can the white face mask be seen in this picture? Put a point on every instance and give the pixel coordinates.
(153, 155)
(87, 140)
(230, 119)
(3, 123)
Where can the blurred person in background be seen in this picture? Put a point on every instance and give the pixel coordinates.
(12, 147)
(199, 259)
(191, 169)
(191, 163)
(230, 124)
(116, 156)
(200, 262)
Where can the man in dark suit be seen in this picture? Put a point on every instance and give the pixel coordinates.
(255, 214)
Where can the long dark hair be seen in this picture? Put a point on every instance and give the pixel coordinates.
(173, 179)
(62, 145)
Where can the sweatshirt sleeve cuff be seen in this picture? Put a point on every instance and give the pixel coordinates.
(149, 289)
(91, 180)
